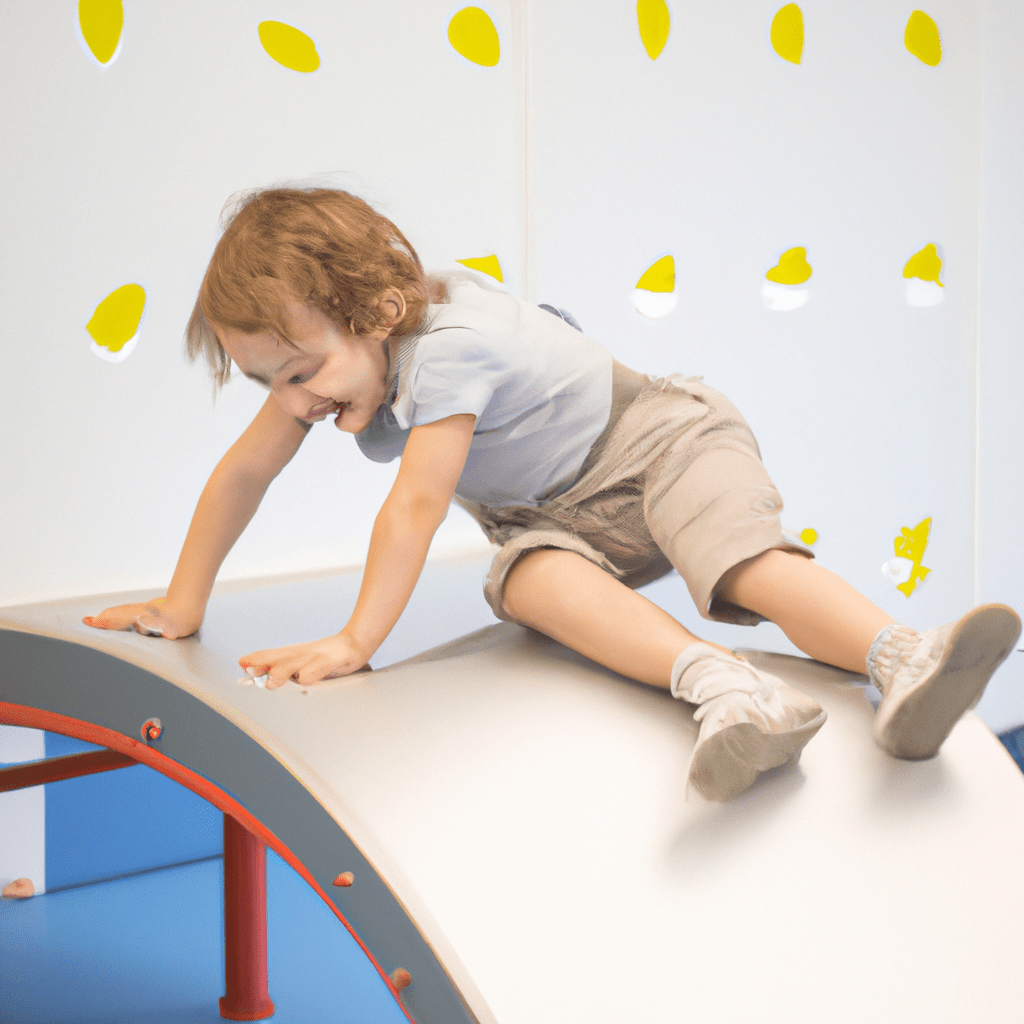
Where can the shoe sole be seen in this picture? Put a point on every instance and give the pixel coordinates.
(918, 725)
(730, 761)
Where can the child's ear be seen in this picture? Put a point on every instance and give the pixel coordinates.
(392, 304)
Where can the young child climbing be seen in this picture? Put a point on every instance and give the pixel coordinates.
(592, 478)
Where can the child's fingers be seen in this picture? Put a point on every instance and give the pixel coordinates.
(275, 672)
(288, 669)
(113, 618)
(316, 670)
(257, 667)
(253, 677)
(278, 675)
(104, 621)
(305, 664)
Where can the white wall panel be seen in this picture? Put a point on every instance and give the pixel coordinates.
(22, 812)
(1001, 355)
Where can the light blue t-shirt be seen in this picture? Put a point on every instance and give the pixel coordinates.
(540, 390)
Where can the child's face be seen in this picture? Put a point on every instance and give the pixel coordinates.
(332, 372)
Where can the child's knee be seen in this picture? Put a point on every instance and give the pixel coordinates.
(533, 572)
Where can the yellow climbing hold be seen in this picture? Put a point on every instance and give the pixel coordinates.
(787, 33)
(925, 264)
(792, 267)
(921, 38)
(101, 22)
(117, 317)
(808, 536)
(910, 544)
(473, 34)
(485, 264)
(288, 46)
(653, 18)
(655, 293)
(660, 276)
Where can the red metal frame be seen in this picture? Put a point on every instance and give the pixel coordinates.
(259, 836)
(56, 769)
(245, 925)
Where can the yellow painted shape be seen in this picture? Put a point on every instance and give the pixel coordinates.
(792, 267)
(485, 264)
(117, 317)
(653, 19)
(473, 34)
(787, 33)
(809, 536)
(101, 22)
(921, 38)
(911, 544)
(660, 276)
(925, 264)
(289, 46)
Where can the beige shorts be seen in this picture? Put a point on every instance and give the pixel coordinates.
(677, 483)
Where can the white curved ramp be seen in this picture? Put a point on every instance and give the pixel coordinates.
(521, 840)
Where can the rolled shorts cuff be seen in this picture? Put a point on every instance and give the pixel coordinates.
(720, 610)
(525, 542)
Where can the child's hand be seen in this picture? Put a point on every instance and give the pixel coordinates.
(155, 617)
(329, 658)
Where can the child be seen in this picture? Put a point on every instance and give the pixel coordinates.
(592, 478)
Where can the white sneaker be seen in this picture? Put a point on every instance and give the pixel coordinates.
(928, 680)
(750, 721)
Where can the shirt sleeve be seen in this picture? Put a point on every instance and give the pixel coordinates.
(453, 372)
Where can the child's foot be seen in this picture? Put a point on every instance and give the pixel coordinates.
(750, 721)
(928, 680)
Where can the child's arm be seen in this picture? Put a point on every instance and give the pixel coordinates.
(227, 504)
(417, 504)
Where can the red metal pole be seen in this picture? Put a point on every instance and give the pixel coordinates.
(56, 769)
(245, 925)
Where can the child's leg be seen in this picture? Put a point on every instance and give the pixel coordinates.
(568, 598)
(820, 612)
(927, 681)
(750, 721)
(580, 605)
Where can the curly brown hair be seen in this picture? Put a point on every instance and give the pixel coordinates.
(323, 247)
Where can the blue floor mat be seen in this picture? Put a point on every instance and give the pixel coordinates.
(149, 950)
(1014, 743)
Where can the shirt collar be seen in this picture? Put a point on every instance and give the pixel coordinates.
(403, 354)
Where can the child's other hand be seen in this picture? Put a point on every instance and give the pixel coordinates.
(153, 617)
(305, 664)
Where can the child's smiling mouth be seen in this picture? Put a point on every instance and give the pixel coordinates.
(323, 411)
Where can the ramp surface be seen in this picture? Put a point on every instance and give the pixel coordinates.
(521, 840)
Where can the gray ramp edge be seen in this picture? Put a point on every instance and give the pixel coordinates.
(82, 683)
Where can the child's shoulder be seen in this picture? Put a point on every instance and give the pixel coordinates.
(480, 311)
(468, 293)
(462, 280)
(476, 310)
